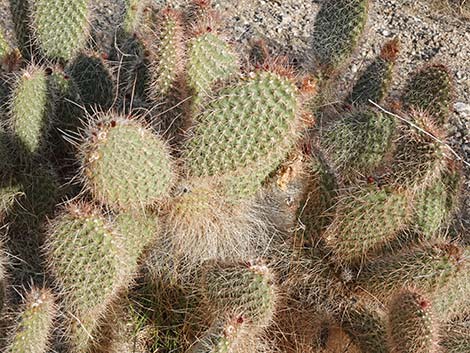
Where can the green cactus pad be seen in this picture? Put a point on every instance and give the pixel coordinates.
(93, 79)
(419, 158)
(20, 13)
(366, 219)
(30, 110)
(85, 255)
(8, 40)
(67, 98)
(133, 15)
(450, 299)
(411, 324)
(338, 28)
(125, 165)
(365, 324)
(68, 112)
(221, 337)
(166, 86)
(431, 90)
(316, 211)
(359, 142)
(427, 268)
(435, 204)
(375, 81)
(169, 61)
(244, 134)
(35, 324)
(60, 26)
(210, 59)
(242, 290)
(138, 231)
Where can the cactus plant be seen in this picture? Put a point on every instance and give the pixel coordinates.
(411, 326)
(169, 62)
(428, 268)
(79, 240)
(247, 291)
(270, 124)
(338, 28)
(209, 199)
(93, 79)
(366, 219)
(221, 337)
(359, 142)
(374, 82)
(60, 27)
(210, 59)
(420, 158)
(431, 90)
(35, 323)
(114, 143)
(30, 110)
(365, 323)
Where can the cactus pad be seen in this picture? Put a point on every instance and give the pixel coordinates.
(61, 27)
(30, 110)
(84, 254)
(338, 28)
(247, 291)
(428, 268)
(431, 90)
(366, 220)
(125, 165)
(359, 142)
(244, 132)
(35, 324)
(411, 324)
(210, 59)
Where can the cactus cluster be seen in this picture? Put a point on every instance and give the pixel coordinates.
(160, 192)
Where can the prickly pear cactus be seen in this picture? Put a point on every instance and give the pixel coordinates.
(411, 326)
(114, 145)
(171, 191)
(35, 323)
(61, 27)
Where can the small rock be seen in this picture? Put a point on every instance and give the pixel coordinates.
(462, 109)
